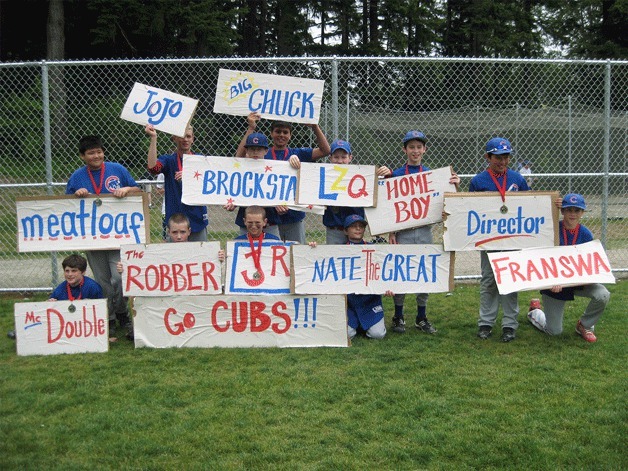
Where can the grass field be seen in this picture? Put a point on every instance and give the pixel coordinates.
(411, 401)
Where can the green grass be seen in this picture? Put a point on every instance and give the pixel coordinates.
(411, 401)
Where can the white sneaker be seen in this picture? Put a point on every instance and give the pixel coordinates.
(537, 319)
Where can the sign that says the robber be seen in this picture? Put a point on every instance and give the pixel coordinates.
(65, 223)
(277, 97)
(166, 111)
(409, 201)
(483, 221)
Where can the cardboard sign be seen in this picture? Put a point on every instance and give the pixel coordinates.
(190, 268)
(49, 328)
(279, 97)
(228, 321)
(166, 111)
(409, 201)
(337, 185)
(372, 269)
(244, 277)
(571, 265)
(64, 223)
(482, 221)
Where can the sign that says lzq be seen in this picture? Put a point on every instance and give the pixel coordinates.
(371, 269)
(245, 321)
(190, 268)
(337, 185)
(166, 111)
(62, 223)
(571, 265)
(251, 270)
(48, 328)
(482, 221)
(409, 201)
(279, 97)
(239, 181)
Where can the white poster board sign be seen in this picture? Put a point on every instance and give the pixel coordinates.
(166, 111)
(409, 201)
(278, 97)
(241, 321)
(571, 265)
(190, 268)
(49, 328)
(372, 269)
(477, 221)
(64, 223)
(243, 277)
(337, 185)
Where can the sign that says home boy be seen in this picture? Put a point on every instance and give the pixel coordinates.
(293, 99)
(63, 223)
(166, 111)
(251, 270)
(372, 269)
(48, 328)
(409, 201)
(229, 321)
(570, 265)
(482, 221)
(337, 185)
(190, 268)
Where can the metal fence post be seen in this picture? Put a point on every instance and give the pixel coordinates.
(607, 151)
(569, 118)
(334, 95)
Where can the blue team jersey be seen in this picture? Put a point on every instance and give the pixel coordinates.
(267, 236)
(408, 169)
(116, 177)
(334, 216)
(514, 182)
(89, 290)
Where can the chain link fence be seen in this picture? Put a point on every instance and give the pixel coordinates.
(569, 119)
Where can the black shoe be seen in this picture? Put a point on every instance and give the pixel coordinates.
(130, 334)
(425, 326)
(398, 325)
(11, 334)
(485, 332)
(508, 334)
(112, 327)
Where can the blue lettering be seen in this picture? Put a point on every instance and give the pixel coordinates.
(53, 221)
(307, 105)
(295, 112)
(146, 105)
(272, 182)
(208, 182)
(257, 105)
(235, 184)
(246, 190)
(68, 225)
(321, 188)
(105, 225)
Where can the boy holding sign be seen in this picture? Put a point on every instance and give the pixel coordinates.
(571, 232)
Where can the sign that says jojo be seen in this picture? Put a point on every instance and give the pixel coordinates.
(482, 221)
(337, 185)
(63, 223)
(228, 321)
(190, 268)
(49, 328)
(372, 269)
(571, 265)
(409, 201)
(279, 97)
(166, 111)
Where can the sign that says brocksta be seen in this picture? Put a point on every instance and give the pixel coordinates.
(277, 97)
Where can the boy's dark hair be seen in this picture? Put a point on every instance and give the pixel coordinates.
(255, 210)
(280, 124)
(90, 142)
(75, 261)
(178, 218)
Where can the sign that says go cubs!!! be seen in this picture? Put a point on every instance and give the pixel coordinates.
(278, 97)
(229, 321)
(48, 328)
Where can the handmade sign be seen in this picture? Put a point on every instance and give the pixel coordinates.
(292, 99)
(48, 328)
(252, 269)
(337, 185)
(166, 111)
(409, 201)
(228, 321)
(181, 268)
(371, 269)
(63, 223)
(482, 221)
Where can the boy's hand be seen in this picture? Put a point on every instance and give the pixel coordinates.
(558, 202)
(392, 238)
(252, 120)
(229, 206)
(81, 192)
(119, 267)
(383, 171)
(52, 299)
(454, 179)
(178, 175)
(150, 130)
(221, 255)
(294, 161)
(121, 192)
(282, 209)
(389, 293)
(556, 289)
(312, 244)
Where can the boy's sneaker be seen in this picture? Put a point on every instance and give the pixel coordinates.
(585, 333)
(425, 326)
(398, 325)
(508, 334)
(534, 304)
(485, 332)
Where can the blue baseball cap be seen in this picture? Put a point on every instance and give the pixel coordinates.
(256, 139)
(498, 146)
(412, 135)
(353, 218)
(340, 144)
(574, 200)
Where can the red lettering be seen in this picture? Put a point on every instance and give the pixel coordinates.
(549, 268)
(53, 312)
(514, 271)
(131, 273)
(208, 277)
(599, 262)
(279, 253)
(31, 318)
(497, 270)
(178, 278)
(178, 326)
(191, 275)
(532, 269)
(259, 320)
(165, 282)
(219, 305)
(361, 191)
(154, 277)
(564, 261)
(278, 310)
(241, 321)
(582, 266)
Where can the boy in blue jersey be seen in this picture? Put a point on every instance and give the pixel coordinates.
(571, 232)
(497, 177)
(291, 222)
(255, 221)
(171, 165)
(76, 284)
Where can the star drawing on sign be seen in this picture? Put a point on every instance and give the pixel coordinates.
(236, 165)
(268, 168)
(230, 201)
(197, 174)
